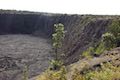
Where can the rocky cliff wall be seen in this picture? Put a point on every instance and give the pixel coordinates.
(82, 30)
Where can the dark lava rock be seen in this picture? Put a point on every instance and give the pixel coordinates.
(18, 51)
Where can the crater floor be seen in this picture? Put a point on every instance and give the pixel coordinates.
(18, 51)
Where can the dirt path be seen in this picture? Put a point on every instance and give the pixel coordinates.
(16, 51)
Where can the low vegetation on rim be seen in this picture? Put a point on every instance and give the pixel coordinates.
(104, 71)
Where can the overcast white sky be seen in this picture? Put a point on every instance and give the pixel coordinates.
(65, 6)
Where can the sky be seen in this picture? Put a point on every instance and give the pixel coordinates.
(102, 7)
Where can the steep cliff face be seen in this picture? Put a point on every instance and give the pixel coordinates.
(24, 24)
(82, 30)
(87, 32)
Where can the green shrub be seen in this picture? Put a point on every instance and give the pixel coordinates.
(100, 49)
(25, 73)
(77, 76)
(108, 40)
(107, 72)
(115, 30)
(56, 64)
(53, 75)
(88, 52)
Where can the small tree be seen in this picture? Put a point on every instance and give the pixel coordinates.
(109, 40)
(57, 38)
(115, 30)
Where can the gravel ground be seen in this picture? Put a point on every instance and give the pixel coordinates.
(18, 51)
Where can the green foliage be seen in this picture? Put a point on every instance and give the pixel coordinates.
(53, 75)
(109, 40)
(58, 36)
(107, 72)
(56, 64)
(100, 49)
(88, 52)
(77, 76)
(115, 28)
(25, 73)
(96, 50)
